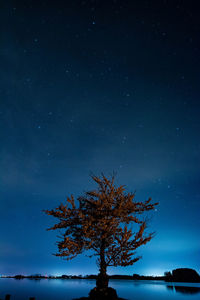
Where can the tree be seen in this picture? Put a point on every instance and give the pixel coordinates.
(168, 276)
(102, 222)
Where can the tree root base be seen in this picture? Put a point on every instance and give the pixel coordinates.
(102, 294)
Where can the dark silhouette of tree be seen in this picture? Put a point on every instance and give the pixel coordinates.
(102, 222)
(168, 276)
(185, 275)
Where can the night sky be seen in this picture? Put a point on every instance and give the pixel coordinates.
(99, 86)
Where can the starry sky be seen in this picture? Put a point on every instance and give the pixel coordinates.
(99, 86)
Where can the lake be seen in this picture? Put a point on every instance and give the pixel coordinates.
(58, 289)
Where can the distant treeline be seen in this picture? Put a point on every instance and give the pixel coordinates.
(177, 275)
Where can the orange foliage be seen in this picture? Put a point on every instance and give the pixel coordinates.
(102, 220)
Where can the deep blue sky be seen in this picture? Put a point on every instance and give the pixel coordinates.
(99, 86)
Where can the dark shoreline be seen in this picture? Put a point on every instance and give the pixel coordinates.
(94, 277)
(177, 275)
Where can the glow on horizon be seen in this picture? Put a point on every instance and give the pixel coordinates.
(153, 272)
(147, 272)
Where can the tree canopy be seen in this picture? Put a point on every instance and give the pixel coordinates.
(102, 220)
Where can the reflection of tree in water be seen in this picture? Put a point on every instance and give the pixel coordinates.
(170, 287)
(184, 289)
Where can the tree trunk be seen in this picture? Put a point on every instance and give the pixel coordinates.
(102, 279)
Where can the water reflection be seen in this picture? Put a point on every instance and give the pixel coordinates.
(170, 287)
(73, 288)
(184, 289)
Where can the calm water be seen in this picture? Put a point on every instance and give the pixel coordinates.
(57, 289)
